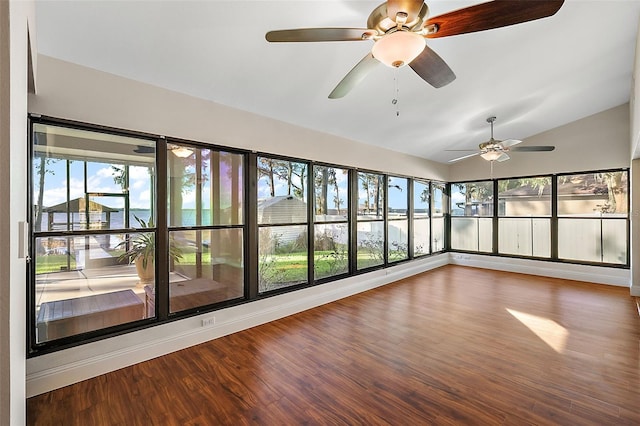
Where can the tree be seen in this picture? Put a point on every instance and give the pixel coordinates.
(42, 168)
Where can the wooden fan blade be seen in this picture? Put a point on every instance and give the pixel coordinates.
(319, 34)
(541, 148)
(510, 142)
(463, 157)
(495, 14)
(355, 76)
(432, 68)
(410, 7)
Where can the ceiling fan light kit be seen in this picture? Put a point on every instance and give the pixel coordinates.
(400, 28)
(398, 48)
(491, 155)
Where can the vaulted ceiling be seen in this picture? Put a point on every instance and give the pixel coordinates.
(533, 76)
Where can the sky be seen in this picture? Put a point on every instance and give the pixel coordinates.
(100, 178)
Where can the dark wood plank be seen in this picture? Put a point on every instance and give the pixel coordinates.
(451, 346)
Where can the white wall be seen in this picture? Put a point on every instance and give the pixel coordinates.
(15, 17)
(73, 92)
(600, 141)
(635, 172)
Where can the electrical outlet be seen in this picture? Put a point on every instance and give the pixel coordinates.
(207, 322)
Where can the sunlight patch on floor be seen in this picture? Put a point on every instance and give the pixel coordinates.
(552, 333)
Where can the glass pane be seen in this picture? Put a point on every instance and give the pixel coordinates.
(397, 198)
(525, 197)
(370, 196)
(86, 283)
(579, 239)
(420, 199)
(331, 250)
(437, 206)
(71, 166)
(282, 191)
(370, 244)
(471, 234)
(593, 240)
(525, 236)
(282, 257)
(420, 236)
(472, 199)
(398, 235)
(437, 238)
(206, 267)
(614, 241)
(593, 194)
(485, 234)
(331, 196)
(205, 186)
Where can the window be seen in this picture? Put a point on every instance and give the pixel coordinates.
(206, 234)
(397, 219)
(593, 217)
(94, 230)
(472, 216)
(283, 223)
(438, 204)
(524, 210)
(331, 221)
(370, 226)
(421, 227)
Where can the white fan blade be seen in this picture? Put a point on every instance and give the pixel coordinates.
(510, 142)
(503, 157)
(463, 157)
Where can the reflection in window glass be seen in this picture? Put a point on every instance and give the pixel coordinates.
(86, 283)
(593, 194)
(205, 186)
(206, 267)
(84, 180)
(370, 196)
(282, 257)
(421, 200)
(472, 199)
(331, 194)
(370, 244)
(331, 250)
(524, 196)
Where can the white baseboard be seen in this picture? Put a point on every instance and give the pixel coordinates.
(62, 368)
(593, 274)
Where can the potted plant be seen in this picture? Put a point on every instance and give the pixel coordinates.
(141, 250)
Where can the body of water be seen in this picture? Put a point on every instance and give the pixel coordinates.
(116, 220)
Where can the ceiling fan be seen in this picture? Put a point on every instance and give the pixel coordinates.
(399, 29)
(494, 150)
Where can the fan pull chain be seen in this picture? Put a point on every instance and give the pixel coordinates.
(394, 101)
(492, 161)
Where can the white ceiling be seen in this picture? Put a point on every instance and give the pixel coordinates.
(534, 76)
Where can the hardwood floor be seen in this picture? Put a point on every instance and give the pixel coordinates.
(453, 346)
